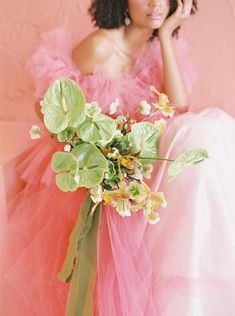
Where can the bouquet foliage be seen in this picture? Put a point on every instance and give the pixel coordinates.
(110, 156)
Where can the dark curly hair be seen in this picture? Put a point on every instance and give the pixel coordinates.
(110, 14)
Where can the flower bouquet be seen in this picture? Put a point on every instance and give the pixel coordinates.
(110, 156)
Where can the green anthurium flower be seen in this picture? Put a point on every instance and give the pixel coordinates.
(99, 129)
(63, 105)
(189, 158)
(67, 166)
(92, 165)
(143, 139)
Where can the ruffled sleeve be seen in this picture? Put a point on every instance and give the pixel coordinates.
(52, 59)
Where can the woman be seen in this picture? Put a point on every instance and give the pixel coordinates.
(185, 264)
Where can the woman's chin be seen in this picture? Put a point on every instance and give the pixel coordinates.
(153, 24)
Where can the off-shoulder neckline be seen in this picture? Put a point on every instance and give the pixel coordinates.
(142, 56)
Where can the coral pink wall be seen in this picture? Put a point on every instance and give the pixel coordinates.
(211, 34)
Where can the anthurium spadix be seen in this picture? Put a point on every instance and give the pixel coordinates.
(63, 105)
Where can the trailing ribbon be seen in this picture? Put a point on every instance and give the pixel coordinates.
(79, 267)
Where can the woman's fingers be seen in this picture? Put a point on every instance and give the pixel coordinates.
(183, 8)
(179, 6)
(181, 14)
(187, 6)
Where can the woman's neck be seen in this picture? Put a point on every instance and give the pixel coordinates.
(135, 38)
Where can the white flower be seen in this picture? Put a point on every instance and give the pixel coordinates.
(92, 109)
(35, 132)
(145, 108)
(77, 179)
(96, 194)
(114, 154)
(67, 148)
(114, 106)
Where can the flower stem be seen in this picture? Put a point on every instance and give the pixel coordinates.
(151, 114)
(158, 158)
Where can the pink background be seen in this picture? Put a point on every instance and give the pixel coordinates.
(211, 35)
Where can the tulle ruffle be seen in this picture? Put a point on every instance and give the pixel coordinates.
(182, 266)
(40, 220)
(53, 59)
(185, 264)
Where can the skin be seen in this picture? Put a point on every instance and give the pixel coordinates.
(114, 50)
(141, 28)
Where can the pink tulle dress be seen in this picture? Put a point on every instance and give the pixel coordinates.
(184, 265)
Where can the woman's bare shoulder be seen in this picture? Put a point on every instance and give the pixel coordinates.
(95, 49)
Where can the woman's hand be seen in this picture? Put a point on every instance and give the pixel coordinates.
(181, 14)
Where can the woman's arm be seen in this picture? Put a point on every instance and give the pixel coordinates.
(174, 85)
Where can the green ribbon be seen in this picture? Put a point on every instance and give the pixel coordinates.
(79, 267)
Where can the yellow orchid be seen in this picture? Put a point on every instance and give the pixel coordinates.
(153, 201)
(136, 191)
(111, 197)
(127, 163)
(119, 199)
(158, 199)
(163, 103)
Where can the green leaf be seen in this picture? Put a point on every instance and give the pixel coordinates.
(189, 158)
(66, 165)
(92, 165)
(98, 130)
(122, 144)
(63, 105)
(143, 139)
